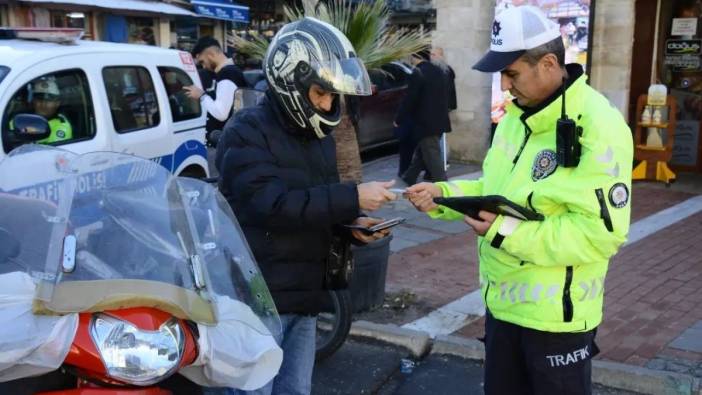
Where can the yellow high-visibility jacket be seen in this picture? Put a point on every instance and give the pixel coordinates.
(549, 275)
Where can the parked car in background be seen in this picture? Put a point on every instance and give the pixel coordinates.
(378, 110)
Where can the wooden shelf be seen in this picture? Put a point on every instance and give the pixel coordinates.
(653, 125)
(651, 148)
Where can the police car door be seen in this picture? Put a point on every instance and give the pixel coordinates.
(135, 110)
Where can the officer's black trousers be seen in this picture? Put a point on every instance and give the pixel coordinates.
(520, 360)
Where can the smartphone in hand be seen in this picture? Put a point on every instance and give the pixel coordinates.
(378, 227)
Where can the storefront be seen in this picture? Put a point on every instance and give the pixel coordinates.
(667, 49)
(175, 24)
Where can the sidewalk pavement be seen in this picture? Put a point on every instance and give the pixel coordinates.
(651, 336)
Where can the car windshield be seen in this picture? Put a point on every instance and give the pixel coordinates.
(102, 231)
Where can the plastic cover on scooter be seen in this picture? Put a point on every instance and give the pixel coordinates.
(30, 344)
(232, 355)
(103, 231)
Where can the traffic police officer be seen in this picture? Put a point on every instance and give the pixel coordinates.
(543, 281)
(46, 101)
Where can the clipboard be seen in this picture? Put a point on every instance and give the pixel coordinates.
(471, 205)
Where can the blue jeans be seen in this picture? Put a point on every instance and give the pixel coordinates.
(297, 339)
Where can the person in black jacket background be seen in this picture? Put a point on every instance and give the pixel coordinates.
(424, 111)
(277, 163)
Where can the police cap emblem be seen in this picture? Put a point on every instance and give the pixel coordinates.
(619, 195)
(544, 165)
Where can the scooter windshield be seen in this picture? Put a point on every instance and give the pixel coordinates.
(103, 231)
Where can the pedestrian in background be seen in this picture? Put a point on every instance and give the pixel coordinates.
(437, 58)
(227, 78)
(424, 111)
(543, 281)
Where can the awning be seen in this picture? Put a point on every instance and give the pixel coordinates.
(221, 9)
(155, 7)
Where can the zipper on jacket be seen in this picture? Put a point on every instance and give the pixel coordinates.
(527, 134)
(567, 302)
(531, 206)
(604, 212)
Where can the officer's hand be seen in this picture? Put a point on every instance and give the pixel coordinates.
(481, 227)
(368, 222)
(193, 92)
(372, 195)
(422, 196)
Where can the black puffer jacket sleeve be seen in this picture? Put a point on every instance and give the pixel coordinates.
(264, 192)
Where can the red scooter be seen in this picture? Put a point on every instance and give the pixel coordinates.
(117, 275)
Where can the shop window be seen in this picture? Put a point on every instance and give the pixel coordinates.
(77, 20)
(63, 98)
(182, 107)
(141, 31)
(133, 102)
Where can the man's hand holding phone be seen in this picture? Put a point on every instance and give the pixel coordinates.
(367, 229)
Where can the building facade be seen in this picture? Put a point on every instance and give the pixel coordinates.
(172, 23)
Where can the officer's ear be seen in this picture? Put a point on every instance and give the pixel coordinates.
(549, 62)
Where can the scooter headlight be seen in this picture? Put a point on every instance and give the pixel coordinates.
(134, 355)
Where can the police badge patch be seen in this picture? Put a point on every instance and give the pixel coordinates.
(619, 195)
(544, 165)
(60, 134)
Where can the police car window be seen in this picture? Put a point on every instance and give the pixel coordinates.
(3, 72)
(133, 103)
(182, 107)
(63, 98)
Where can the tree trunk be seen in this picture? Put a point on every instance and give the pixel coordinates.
(348, 156)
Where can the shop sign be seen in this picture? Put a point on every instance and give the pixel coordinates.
(683, 47)
(221, 9)
(684, 27)
(685, 143)
(683, 62)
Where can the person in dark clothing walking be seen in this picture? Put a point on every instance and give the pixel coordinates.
(278, 172)
(425, 111)
(227, 78)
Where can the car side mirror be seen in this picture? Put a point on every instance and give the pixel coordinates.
(30, 127)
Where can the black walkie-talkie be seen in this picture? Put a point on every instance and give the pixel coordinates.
(567, 137)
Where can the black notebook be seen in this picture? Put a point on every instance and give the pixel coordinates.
(471, 205)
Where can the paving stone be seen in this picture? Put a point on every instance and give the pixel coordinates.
(414, 234)
(398, 244)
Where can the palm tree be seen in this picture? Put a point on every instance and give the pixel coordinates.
(366, 24)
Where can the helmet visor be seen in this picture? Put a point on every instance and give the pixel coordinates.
(346, 77)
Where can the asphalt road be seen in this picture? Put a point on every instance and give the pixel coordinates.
(374, 368)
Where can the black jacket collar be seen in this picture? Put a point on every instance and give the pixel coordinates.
(574, 71)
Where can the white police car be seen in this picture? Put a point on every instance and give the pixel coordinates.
(99, 96)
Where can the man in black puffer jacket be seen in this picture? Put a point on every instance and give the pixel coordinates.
(278, 171)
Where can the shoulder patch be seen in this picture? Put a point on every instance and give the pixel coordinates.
(619, 195)
(544, 165)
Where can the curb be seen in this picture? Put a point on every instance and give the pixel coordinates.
(418, 343)
(609, 374)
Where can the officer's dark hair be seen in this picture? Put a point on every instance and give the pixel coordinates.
(205, 42)
(555, 46)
